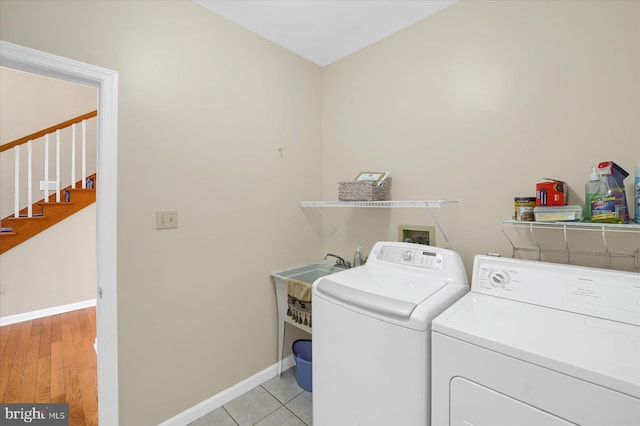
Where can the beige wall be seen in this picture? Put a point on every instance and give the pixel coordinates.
(56, 267)
(204, 107)
(476, 103)
(458, 106)
(30, 102)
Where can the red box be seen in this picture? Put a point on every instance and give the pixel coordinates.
(551, 192)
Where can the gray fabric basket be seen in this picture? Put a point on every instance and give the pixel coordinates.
(361, 190)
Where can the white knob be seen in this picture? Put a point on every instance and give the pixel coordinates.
(499, 279)
(407, 256)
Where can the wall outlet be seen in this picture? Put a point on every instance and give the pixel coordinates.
(167, 219)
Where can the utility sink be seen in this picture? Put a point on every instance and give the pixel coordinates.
(308, 273)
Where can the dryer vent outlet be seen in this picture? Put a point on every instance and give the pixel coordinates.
(418, 234)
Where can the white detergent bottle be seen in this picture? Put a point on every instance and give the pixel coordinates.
(592, 188)
(357, 258)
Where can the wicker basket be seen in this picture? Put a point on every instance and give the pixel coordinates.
(361, 190)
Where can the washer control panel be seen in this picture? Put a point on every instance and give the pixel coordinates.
(411, 256)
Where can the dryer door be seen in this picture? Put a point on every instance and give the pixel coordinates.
(476, 405)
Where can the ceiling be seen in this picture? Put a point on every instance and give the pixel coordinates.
(324, 31)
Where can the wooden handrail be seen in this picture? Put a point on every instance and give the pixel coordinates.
(48, 130)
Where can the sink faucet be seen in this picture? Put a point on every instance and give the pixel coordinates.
(340, 262)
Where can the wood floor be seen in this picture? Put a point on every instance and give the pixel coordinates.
(52, 360)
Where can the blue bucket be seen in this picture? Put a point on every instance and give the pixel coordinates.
(302, 355)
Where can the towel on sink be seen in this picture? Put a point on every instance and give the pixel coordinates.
(299, 301)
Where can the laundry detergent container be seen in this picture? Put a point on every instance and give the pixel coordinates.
(302, 355)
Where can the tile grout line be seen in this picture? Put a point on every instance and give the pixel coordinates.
(230, 416)
(298, 417)
(282, 403)
(270, 413)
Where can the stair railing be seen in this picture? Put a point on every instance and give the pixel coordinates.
(17, 145)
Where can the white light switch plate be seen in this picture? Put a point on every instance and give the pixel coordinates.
(167, 219)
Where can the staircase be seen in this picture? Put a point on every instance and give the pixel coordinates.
(46, 214)
(26, 222)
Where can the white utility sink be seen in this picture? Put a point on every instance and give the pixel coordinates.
(308, 274)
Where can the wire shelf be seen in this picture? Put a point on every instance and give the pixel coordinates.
(424, 204)
(571, 239)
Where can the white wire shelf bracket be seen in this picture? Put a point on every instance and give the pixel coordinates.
(603, 231)
(417, 204)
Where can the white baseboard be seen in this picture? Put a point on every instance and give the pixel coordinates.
(227, 395)
(28, 316)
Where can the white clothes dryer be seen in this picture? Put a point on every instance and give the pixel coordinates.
(371, 335)
(539, 344)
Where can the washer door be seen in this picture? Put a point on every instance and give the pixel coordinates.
(476, 405)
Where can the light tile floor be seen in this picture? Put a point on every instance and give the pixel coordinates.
(276, 402)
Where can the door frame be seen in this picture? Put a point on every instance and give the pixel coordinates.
(106, 81)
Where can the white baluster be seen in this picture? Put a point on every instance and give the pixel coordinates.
(58, 166)
(46, 168)
(29, 179)
(84, 153)
(73, 155)
(16, 199)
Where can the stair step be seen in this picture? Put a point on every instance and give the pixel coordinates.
(54, 204)
(13, 221)
(52, 213)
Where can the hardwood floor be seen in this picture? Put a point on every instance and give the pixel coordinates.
(52, 360)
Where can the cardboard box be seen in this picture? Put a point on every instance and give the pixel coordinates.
(551, 192)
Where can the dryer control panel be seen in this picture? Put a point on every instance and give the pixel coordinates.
(602, 293)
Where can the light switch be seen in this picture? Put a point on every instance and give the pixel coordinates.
(167, 219)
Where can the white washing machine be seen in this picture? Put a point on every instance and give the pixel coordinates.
(539, 344)
(371, 335)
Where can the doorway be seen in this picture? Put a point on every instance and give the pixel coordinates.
(106, 81)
